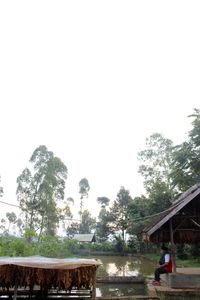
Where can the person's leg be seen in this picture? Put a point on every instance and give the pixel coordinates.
(157, 273)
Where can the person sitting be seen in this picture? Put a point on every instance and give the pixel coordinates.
(165, 265)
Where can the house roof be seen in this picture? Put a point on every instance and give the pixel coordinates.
(85, 237)
(185, 216)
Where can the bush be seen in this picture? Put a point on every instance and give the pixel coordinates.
(14, 246)
(133, 244)
(49, 246)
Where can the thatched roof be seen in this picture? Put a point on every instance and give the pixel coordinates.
(185, 217)
(89, 238)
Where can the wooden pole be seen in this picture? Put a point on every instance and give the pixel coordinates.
(94, 285)
(15, 292)
(173, 246)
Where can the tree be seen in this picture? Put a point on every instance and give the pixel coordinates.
(70, 200)
(65, 212)
(186, 157)
(156, 161)
(88, 222)
(1, 189)
(40, 189)
(138, 208)
(104, 201)
(3, 226)
(119, 212)
(103, 228)
(20, 224)
(72, 229)
(12, 218)
(156, 167)
(84, 188)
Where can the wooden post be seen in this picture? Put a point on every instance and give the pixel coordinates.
(15, 292)
(94, 285)
(172, 246)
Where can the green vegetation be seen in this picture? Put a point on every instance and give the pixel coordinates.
(48, 246)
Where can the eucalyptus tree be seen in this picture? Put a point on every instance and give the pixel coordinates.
(40, 188)
(84, 188)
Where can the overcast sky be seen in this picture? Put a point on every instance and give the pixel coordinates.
(91, 80)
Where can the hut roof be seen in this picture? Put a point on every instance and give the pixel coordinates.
(85, 237)
(184, 214)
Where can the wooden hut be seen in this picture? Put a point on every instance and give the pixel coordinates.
(178, 224)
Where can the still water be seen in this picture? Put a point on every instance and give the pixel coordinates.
(123, 266)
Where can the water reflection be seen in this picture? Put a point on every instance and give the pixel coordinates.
(124, 266)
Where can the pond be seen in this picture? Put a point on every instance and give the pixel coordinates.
(123, 266)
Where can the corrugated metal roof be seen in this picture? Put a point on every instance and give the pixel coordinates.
(85, 237)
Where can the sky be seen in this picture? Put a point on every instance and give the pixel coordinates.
(91, 80)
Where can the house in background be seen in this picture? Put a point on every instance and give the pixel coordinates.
(85, 238)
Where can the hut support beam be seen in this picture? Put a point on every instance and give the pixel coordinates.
(172, 246)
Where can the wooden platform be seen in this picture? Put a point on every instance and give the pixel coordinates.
(120, 279)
